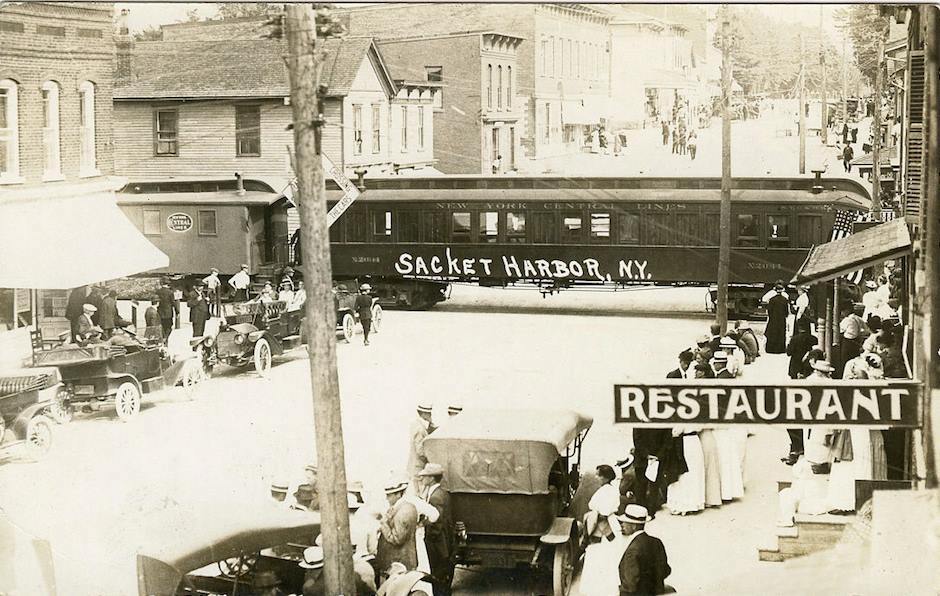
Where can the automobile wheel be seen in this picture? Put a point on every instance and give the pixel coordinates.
(562, 569)
(38, 437)
(263, 357)
(127, 401)
(349, 327)
(376, 318)
(61, 409)
(237, 566)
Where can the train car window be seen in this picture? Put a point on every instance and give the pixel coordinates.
(408, 230)
(515, 226)
(778, 231)
(689, 230)
(572, 230)
(460, 226)
(382, 223)
(544, 227)
(710, 232)
(153, 223)
(489, 226)
(808, 230)
(600, 227)
(628, 228)
(658, 229)
(207, 223)
(356, 228)
(433, 229)
(336, 231)
(748, 232)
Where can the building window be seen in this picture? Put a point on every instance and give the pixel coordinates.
(357, 129)
(376, 128)
(153, 223)
(778, 231)
(550, 71)
(9, 131)
(559, 57)
(207, 223)
(460, 226)
(49, 30)
(515, 226)
(420, 128)
(489, 226)
(544, 63)
(248, 131)
(570, 65)
(577, 62)
(600, 226)
(51, 163)
(547, 137)
(508, 87)
(499, 88)
(628, 229)
(748, 230)
(404, 129)
(88, 161)
(489, 86)
(382, 223)
(166, 132)
(571, 228)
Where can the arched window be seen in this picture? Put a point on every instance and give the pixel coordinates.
(9, 132)
(88, 165)
(489, 86)
(508, 87)
(499, 88)
(51, 164)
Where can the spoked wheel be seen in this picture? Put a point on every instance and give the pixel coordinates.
(563, 569)
(349, 327)
(376, 318)
(127, 401)
(263, 357)
(61, 409)
(38, 437)
(238, 566)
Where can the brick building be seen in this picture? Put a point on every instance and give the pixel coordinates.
(563, 78)
(56, 160)
(473, 124)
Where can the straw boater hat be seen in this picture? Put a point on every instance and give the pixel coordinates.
(395, 485)
(313, 558)
(311, 468)
(365, 287)
(625, 462)
(634, 514)
(89, 308)
(279, 486)
(720, 356)
(727, 342)
(704, 338)
(424, 408)
(823, 366)
(431, 470)
(352, 503)
(454, 409)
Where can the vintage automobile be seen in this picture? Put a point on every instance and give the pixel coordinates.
(222, 549)
(26, 397)
(511, 475)
(96, 374)
(252, 333)
(346, 314)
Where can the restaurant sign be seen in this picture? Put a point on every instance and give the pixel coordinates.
(798, 403)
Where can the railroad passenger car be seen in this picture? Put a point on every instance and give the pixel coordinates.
(560, 232)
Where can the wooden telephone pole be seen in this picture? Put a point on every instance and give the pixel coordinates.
(802, 108)
(724, 226)
(824, 125)
(876, 133)
(320, 324)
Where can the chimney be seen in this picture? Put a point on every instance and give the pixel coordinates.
(123, 49)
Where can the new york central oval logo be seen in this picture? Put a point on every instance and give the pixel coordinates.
(179, 222)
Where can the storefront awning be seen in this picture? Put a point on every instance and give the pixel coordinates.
(60, 243)
(862, 249)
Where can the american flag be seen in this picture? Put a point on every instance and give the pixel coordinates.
(842, 228)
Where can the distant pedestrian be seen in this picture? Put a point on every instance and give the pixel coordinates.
(418, 432)
(153, 330)
(847, 154)
(167, 307)
(497, 164)
(198, 310)
(778, 310)
(854, 134)
(845, 133)
(108, 317)
(364, 310)
(240, 283)
(213, 287)
(675, 140)
(665, 129)
(682, 140)
(692, 143)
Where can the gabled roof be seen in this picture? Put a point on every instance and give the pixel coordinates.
(239, 68)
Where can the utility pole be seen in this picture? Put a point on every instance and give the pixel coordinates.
(824, 126)
(876, 134)
(802, 108)
(320, 323)
(724, 226)
(845, 90)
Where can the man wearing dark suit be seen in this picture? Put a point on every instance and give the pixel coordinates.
(439, 535)
(644, 565)
(73, 308)
(167, 308)
(649, 442)
(685, 360)
(198, 310)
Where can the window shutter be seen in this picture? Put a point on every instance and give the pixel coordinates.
(914, 143)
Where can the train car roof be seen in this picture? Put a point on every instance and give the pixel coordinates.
(223, 198)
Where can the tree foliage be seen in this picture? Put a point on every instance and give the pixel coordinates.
(865, 27)
(151, 33)
(236, 10)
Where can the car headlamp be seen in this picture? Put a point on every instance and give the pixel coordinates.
(240, 339)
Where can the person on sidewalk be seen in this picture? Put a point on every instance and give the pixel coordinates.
(213, 286)
(778, 310)
(240, 283)
(167, 307)
(692, 143)
(364, 310)
(198, 309)
(847, 154)
(644, 565)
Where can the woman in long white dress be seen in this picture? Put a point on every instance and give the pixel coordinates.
(712, 467)
(729, 461)
(687, 494)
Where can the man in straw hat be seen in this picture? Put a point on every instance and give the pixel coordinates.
(314, 581)
(644, 565)
(439, 533)
(397, 529)
(453, 410)
(85, 322)
(418, 431)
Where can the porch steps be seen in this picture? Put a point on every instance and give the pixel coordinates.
(809, 534)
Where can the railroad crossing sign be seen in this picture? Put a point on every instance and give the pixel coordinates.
(350, 192)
